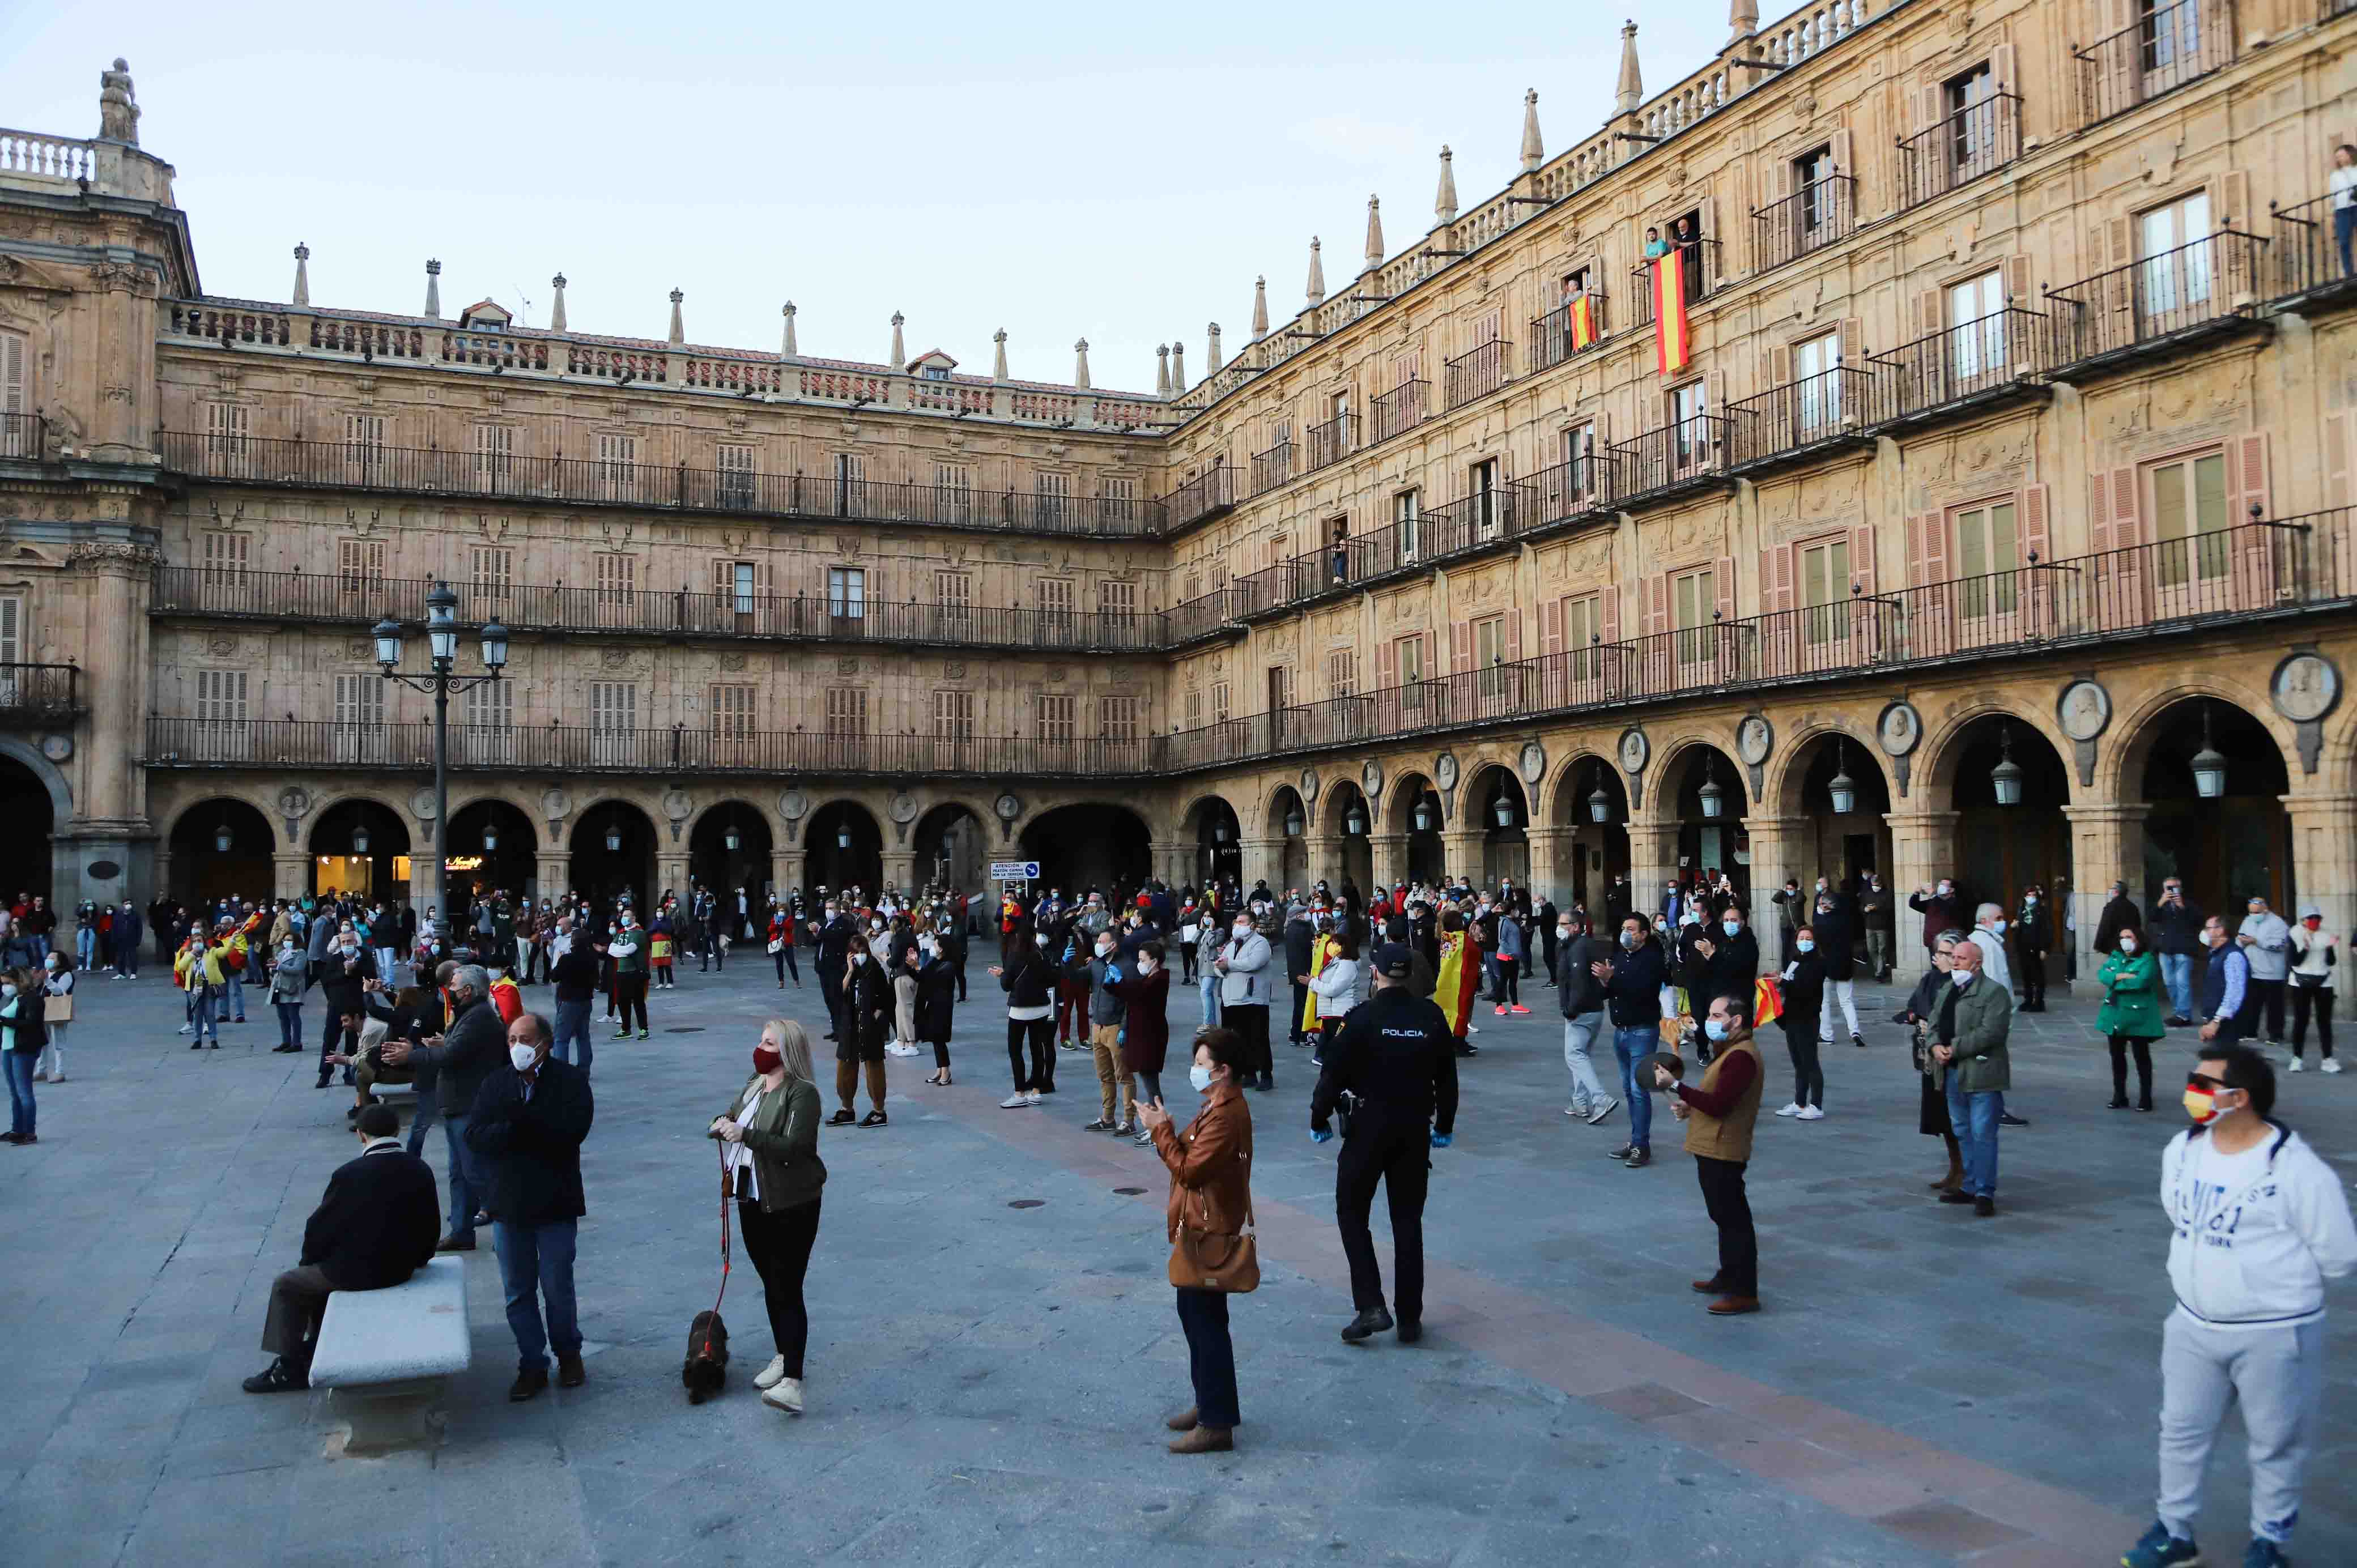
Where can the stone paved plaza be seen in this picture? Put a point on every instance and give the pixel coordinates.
(987, 1381)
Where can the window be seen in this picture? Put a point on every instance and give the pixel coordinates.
(16, 397)
(1406, 517)
(1054, 493)
(1987, 553)
(1341, 672)
(846, 593)
(493, 572)
(1194, 710)
(363, 447)
(359, 699)
(846, 710)
(1117, 718)
(494, 457)
(1055, 719)
(732, 712)
(618, 582)
(12, 629)
(1579, 463)
(955, 593)
(1583, 629)
(736, 475)
(1690, 438)
(1190, 586)
(613, 707)
(1410, 652)
(617, 467)
(952, 715)
(359, 566)
(953, 483)
(1694, 599)
(2169, 40)
(1280, 687)
(226, 558)
(229, 428)
(1482, 485)
(220, 706)
(1825, 588)
(1116, 599)
(1055, 604)
(1971, 120)
(490, 705)
(1812, 175)
(1977, 327)
(1119, 497)
(1220, 701)
(1576, 282)
(1816, 367)
(2173, 284)
(2189, 508)
(850, 485)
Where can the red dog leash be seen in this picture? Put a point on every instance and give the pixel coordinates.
(725, 1195)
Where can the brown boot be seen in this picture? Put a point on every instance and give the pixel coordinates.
(1205, 1440)
(1953, 1180)
(1733, 1306)
(1185, 1420)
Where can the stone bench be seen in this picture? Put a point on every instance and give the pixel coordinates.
(387, 1354)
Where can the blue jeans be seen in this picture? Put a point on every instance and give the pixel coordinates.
(207, 1005)
(1630, 1047)
(465, 1192)
(85, 943)
(1974, 1118)
(539, 1258)
(20, 1091)
(573, 1024)
(2176, 973)
(1211, 988)
(40, 951)
(236, 988)
(290, 1024)
(2344, 226)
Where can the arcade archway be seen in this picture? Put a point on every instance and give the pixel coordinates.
(613, 852)
(220, 849)
(844, 847)
(1090, 844)
(493, 847)
(359, 849)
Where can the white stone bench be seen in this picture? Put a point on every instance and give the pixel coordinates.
(388, 1353)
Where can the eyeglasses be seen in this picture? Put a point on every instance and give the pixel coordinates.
(2204, 1082)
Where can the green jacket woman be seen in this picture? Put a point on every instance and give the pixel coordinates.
(2131, 1009)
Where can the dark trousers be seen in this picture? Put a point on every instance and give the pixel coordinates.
(2318, 1000)
(1400, 1158)
(1808, 1069)
(1210, 1356)
(1293, 1019)
(2033, 978)
(829, 990)
(1040, 1072)
(2268, 997)
(298, 1299)
(1251, 1024)
(1186, 961)
(780, 1245)
(1730, 1210)
(785, 956)
(290, 1024)
(631, 997)
(336, 1041)
(2121, 1044)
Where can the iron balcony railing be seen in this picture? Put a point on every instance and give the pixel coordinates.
(1400, 408)
(2166, 48)
(357, 600)
(337, 465)
(1553, 337)
(1572, 488)
(1989, 355)
(2184, 291)
(1959, 147)
(39, 694)
(1822, 211)
(2309, 249)
(1837, 404)
(23, 435)
(1703, 272)
(1207, 495)
(1272, 467)
(1476, 373)
(1202, 616)
(1685, 452)
(1330, 441)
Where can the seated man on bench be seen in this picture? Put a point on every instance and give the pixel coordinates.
(375, 1227)
(368, 1065)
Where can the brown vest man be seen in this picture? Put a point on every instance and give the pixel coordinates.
(1719, 1115)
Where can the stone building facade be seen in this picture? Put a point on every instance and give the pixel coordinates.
(1919, 439)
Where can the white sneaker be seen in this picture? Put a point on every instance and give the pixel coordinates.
(1575, 1109)
(767, 1378)
(786, 1396)
(1030, 1097)
(2332, 1064)
(1601, 1112)
(1792, 1110)
(1018, 1100)
(2296, 1065)
(1811, 1113)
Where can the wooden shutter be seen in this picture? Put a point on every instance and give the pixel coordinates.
(1777, 576)
(1431, 654)
(2014, 275)
(2099, 512)
(1460, 646)
(2005, 71)
(1862, 575)
(2250, 483)
(1722, 582)
(1657, 598)
(2036, 531)
(1610, 629)
(13, 394)
(1513, 634)
(2128, 509)
(2230, 204)
(1386, 664)
(2337, 442)
(1550, 626)
(1927, 548)
(1843, 163)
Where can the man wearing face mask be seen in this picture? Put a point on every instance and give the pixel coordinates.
(2033, 935)
(1724, 960)
(1245, 997)
(1974, 1021)
(1835, 939)
(462, 1058)
(2175, 927)
(526, 1130)
(1989, 934)
(1942, 908)
(1721, 1113)
(1582, 966)
(2260, 1224)
(2315, 953)
(835, 935)
(1874, 910)
(1632, 993)
(343, 983)
(1116, 1089)
(867, 1001)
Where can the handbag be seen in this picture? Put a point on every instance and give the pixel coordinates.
(59, 1008)
(1205, 1259)
(776, 947)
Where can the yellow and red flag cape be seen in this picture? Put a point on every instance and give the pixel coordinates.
(1767, 1001)
(1583, 323)
(1672, 346)
(1318, 953)
(1459, 977)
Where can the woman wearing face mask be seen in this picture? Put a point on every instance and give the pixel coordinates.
(1339, 986)
(1804, 999)
(1029, 978)
(1144, 989)
(288, 982)
(197, 969)
(1210, 1193)
(907, 958)
(23, 1031)
(1209, 939)
(769, 1136)
(1922, 1011)
(2131, 1016)
(868, 1014)
(2314, 954)
(936, 1002)
(58, 980)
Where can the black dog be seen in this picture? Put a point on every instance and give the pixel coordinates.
(706, 1367)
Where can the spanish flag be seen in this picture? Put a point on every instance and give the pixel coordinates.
(1767, 1001)
(1670, 337)
(1318, 957)
(1583, 323)
(1459, 977)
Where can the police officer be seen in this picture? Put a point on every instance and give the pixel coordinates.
(1397, 1057)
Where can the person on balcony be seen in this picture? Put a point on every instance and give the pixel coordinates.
(2344, 205)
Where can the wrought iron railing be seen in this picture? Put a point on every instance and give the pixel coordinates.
(1272, 467)
(1989, 354)
(1703, 274)
(1207, 495)
(1554, 336)
(39, 694)
(2164, 49)
(2314, 245)
(2171, 292)
(1832, 405)
(1400, 408)
(1330, 441)
(1688, 451)
(1476, 373)
(1959, 147)
(1822, 211)
(1571, 488)
(23, 435)
(337, 465)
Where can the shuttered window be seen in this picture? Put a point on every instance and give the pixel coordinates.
(361, 567)
(846, 593)
(229, 428)
(1117, 598)
(617, 580)
(732, 712)
(226, 558)
(1117, 718)
(491, 705)
(1341, 672)
(1054, 495)
(1219, 702)
(846, 710)
(735, 474)
(1055, 718)
(12, 629)
(617, 467)
(360, 700)
(16, 397)
(2188, 505)
(1825, 586)
(1987, 545)
(953, 715)
(221, 697)
(363, 447)
(1694, 596)
(1120, 499)
(494, 457)
(492, 572)
(953, 483)
(613, 705)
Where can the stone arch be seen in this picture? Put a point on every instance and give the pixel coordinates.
(1563, 795)
(2229, 847)
(1667, 774)
(835, 864)
(1505, 846)
(951, 841)
(60, 790)
(600, 874)
(1399, 796)
(714, 865)
(1787, 772)
(1106, 843)
(200, 871)
(1275, 800)
(1939, 752)
(2120, 767)
(1213, 832)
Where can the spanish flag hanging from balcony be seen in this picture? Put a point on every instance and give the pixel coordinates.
(1583, 323)
(1670, 337)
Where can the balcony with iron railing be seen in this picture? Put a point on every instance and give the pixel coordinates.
(1210, 494)
(1559, 334)
(1822, 211)
(1330, 441)
(1399, 410)
(2163, 49)
(1475, 373)
(2173, 299)
(24, 436)
(1577, 486)
(1959, 147)
(39, 694)
(1704, 274)
(1684, 455)
(1272, 467)
(477, 476)
(2310, 259)
(1988, 360)
(1796, 421)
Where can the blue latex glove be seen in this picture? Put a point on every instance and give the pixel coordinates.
(1442, 1140)
(1318, 1135)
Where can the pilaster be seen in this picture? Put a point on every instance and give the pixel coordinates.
(1263, 861)
(786, 871)
(670, 873)
(2106, 841)
(290, 873)
(900, 869)
(1460, 853)
(1922, 851)
(555, 875)
(1551, 851)
(1322, 857)
(2324, 857)
(1776, 847)
(1652, 861)
(1389, 852)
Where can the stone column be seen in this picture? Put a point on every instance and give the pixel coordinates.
(1922, 851)
(291, 871)
(1776, 847)
(1460, 853)
(113, 686)
(1652, 861)
(2106, 841)
(1551, 849)
(1263, 861)
(900, 868)
(786, 869)
(1174, 860)
(1389, 852)
(2324, 857)
(556, 873)
(670, 872)
(1323, 857)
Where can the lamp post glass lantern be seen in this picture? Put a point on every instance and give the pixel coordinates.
(1599, 803)
(2006, 776)
(1423, 817)
(1714, 798)
(2209, 764)
(1843, 789)
(360, 840)
(440, 680)
(1293, 823)
(1356, 823)
(222, 837)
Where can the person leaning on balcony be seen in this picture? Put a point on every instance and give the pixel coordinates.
(2344, 205)
(1655, 248)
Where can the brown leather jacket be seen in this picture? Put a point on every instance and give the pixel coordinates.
(1210, 1165)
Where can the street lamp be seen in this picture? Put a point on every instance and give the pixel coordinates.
(1220, 832)
(441, 679)
(1356, 823)
(2006, 776)
(843, 837)
(1844, 789)
(1293, 823)
(1599, 804)
(614, 839)
(2209, 764)
(1504, 809)
(490, 838)
(1423, 818)
(732, 838)
(1714, 798)
(360, 840)
(222, 839)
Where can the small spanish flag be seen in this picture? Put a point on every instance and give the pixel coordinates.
(1669, 338)
(1583, 323)
(1767, 1001)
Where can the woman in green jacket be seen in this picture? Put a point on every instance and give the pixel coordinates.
(769, 1136)
(2131, 1016)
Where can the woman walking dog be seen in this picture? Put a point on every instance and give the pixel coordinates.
(769, 1138)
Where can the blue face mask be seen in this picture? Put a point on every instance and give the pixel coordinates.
(1806, 945)
(1731, 927)
(1713, 1028)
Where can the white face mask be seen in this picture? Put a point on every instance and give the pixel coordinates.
(1201, 1077)
(523, 1056)
(1242, 931)
(2127, 944)
(1563, 933)
(1961, 976)
(859, 958)
(1997, 926)
(9, 989)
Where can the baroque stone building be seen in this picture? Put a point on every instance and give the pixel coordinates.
(1918, 439)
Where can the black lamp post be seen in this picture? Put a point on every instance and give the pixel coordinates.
(441, 679)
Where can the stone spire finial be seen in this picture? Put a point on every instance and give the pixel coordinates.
(1316, 289)
(998, 359)
(1374, 232)
(1211, 354)
(1081, 364)
(1178, 368)
(1630, 90)
(789, 350)
(432, 291)
(302, 274)
(678, 327)
(118, 111)
(1742, 19)
(1260, 308)
(1444, 204)
(556, 310)
(1532, 154)
(899, 348)
(1162, 370)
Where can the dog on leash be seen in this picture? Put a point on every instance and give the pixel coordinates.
(707, 1367)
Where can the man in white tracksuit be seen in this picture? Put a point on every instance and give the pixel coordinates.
(2261, 1224)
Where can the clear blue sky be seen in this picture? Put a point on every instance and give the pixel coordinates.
(1060, 171)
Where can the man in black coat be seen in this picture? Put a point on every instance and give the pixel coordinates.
(1545, 917)
(2033, 938)
(126, 941)
(2119, 915)
(343, 975)
(1721, 963)
(461, 1059)
(1300, 939)
(374, 1227)
(835, 934)
(1835, 934)
(526, 1128)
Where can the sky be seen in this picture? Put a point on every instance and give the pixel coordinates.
(1117, 174)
